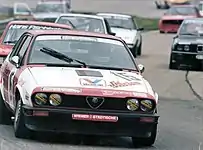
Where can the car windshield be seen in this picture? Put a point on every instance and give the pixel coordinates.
(50, 7)
(93, 51)
(16, 30)
(83, 23)
(191, 27)
(120, 22)
(181, 11)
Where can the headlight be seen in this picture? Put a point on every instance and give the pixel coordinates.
(179, 47)
(132, 104)
(146, 105)
(55, 99)
(41, 99)
(186, 48)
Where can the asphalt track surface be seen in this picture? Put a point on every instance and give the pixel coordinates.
(181, 112)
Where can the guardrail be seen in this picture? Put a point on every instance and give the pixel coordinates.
(3, 24)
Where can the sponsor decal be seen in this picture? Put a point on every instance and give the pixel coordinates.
(126, 76)
(109, 93)
(119, 84)
(139, 94)
(33, 27)
(90, 117)
(55, 89)
(92, 82)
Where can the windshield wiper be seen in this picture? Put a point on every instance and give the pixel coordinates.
(110, 68)
(60, 56)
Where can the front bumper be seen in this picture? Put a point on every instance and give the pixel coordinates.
(60, 120)
(169, 28)
(187, 60)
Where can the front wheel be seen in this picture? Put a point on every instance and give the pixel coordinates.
(149, 141)
(139, 50)
(20, 129)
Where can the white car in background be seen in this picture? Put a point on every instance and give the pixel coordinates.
(84, 22)
(49, 11)
(124, 26)
(200, 7)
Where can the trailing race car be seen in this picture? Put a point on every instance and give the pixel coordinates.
(124, 26)
(173, 18)
(85, 22)
(88, 82)
(15, 29)
(187, 47)
(166, 4)
(49, 11)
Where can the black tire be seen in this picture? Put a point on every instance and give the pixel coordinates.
(161, 31)
(149, 141)
(20, 129)
(5, 114)
(139, 49)
(172, 65)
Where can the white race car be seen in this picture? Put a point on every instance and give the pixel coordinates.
(124, 26)
(70, 81)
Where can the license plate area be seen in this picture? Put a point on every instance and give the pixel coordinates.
(91, 117)
(199, 56)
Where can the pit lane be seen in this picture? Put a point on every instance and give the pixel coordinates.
(181, 113)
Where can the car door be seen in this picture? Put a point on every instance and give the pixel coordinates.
(6, 68)
(12, 78)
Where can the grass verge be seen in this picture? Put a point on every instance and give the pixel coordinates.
(147, 23)
(2, 17)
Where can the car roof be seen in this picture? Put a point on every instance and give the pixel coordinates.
(82, 15)
(72, 32)
(40, 23)
(51, 2)
(115, 14)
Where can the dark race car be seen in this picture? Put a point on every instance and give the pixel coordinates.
(172, 19)
(187, 47)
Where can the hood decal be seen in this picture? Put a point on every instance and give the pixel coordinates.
(92, 82)
(89, 73)
(125, 76)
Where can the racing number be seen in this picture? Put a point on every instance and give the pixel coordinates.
(125, 76)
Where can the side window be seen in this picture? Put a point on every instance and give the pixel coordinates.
(24, 48)
(17, 46)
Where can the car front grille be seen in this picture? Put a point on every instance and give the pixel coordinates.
(80, 102)
(189, 48)
(172, 22)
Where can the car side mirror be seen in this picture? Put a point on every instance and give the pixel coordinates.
(140, 29)
(15, 60)
(141, 68)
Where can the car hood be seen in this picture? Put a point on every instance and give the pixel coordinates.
(127, 35)
(46, 15)
(189, 40)
(79, 78)
(176, 17)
